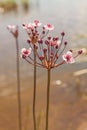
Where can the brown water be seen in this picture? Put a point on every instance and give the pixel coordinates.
(66, 15)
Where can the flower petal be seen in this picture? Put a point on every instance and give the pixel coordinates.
(25, 52)
(49, 27)
(68, 58)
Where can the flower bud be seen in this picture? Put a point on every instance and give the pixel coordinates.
(49, 38)
(43, 32)
(62, 33)
(28, 41)
(44, 50)
(57, 46)
(56, 38)
(40, 41)
(36, 47)
(23, 24)
(80, 52)
(46, 42)
(41, 58)
(23, 56)
(71, 50)
(65, 43)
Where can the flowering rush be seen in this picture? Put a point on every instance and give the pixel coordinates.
(13, 29)
(50, 51)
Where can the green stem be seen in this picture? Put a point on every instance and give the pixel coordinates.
(48, 98)
(34, 93)
(18, 86)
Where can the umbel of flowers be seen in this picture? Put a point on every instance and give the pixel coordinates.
(47, 49)
(47, 52)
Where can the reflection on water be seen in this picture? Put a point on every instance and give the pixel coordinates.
(67, 15)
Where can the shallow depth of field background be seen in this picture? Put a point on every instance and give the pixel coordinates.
(68, 85)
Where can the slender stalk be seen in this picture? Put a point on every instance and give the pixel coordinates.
(34, 93)
(18, 86)
(48, 98)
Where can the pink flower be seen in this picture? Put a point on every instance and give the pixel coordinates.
(25, 52)
(55, 43)
(13, 29)
(36, 23)
(68, 58)
(28, 26)
(49, 27)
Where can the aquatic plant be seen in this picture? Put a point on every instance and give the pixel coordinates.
(15, 32)
(33, 37)
(47, 52)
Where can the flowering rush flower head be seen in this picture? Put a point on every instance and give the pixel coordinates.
(13, 29)
(50, 51)
(34, 34)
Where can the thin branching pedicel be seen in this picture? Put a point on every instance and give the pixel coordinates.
(14, 30)
(50, 52)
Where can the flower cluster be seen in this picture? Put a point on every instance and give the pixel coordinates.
(33, 33)
(47, 49)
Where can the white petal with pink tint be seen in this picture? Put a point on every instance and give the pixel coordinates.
(36, 23)
(58, 42)
(25, 52)
(68, 58)
(12, 28)
(28, 26)
(49, 27)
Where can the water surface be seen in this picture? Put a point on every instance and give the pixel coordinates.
(66, 15)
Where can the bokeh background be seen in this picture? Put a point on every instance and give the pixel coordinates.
(69, 86)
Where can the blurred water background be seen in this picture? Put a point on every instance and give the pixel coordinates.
(66, 15)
